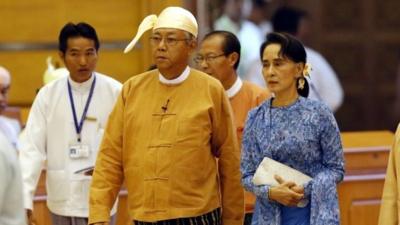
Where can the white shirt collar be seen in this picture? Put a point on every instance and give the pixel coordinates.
(232, 91)
(184, 75)
(81, 86)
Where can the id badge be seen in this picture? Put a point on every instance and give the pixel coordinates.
(79, 151)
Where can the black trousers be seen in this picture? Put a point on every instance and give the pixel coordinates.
(211, 218)
(247, 218)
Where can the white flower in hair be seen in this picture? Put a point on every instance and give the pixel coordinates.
(307, 70)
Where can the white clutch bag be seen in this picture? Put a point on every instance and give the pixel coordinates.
(268, 168)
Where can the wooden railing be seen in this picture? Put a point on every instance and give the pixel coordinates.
(366, 155)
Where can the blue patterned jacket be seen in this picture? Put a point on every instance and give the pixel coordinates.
(304, 136)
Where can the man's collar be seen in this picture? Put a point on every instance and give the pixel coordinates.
(184, 75)
(81, 86)
(235, 88)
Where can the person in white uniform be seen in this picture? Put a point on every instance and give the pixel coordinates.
(9, 127)
(248, 33)
(11, 205)
(65, 127)
(324, 83)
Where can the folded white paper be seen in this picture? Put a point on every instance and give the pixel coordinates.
(268, 168)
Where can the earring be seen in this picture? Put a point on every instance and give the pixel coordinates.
(300, 83)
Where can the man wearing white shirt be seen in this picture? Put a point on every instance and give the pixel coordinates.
(9, 127)
(324, 83)
(65, 127)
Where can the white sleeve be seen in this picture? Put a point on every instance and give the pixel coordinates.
(4, 179)
(33, 149)
(327, 84)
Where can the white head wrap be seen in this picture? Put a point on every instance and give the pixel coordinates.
(5, 77)
(52, 73)
(170, 17)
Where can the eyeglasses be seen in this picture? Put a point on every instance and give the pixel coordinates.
(209, 58)
(168, 41)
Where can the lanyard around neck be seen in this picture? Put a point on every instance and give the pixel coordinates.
(79, 125)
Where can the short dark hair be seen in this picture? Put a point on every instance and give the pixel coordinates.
(259, 3)
(81, 29)
(287, 19)
(231, 43)
(291, 48)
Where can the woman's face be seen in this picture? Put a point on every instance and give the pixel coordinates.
(280, 73)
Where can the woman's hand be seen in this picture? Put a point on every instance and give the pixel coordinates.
(298, 188)
(286, 193)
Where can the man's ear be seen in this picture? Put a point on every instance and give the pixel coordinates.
(62, 55)
(233, 58)
(193, 46)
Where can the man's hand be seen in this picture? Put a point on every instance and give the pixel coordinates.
(29, 217)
